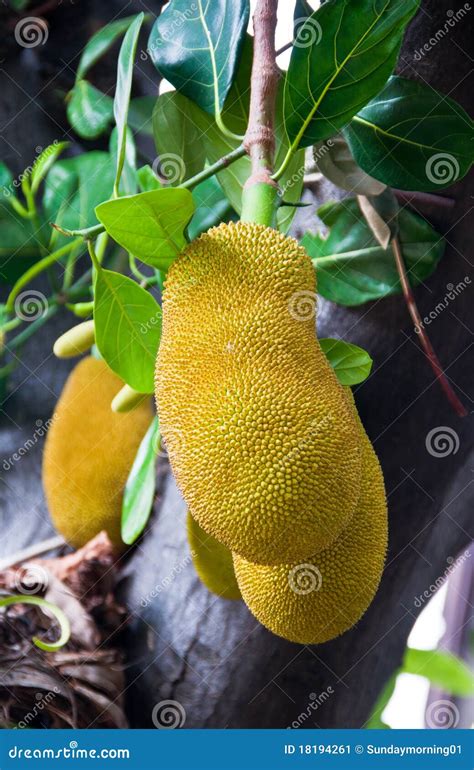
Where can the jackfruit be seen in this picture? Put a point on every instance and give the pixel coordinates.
(88, 454)
(316, 600)
(260, 437)
(212, 562)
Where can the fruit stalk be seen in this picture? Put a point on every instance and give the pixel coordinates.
(430, 354)
(260, 194)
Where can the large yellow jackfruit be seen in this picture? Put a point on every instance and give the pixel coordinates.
(260, 437)
(88, 454)
(212, 562)
(313, 601)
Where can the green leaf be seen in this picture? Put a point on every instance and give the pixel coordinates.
(301, 12)
(123, 90)
(341, 58)
(150, 225)
(352, 268)
(100, 43)
(44, 162)
(351, 363)
(6, 180)
(140, 114)
(178, 140)
(147, 180)
(334, 159)
(140, 487)
(128, 328)
(412, 137)
(443, 669)
(212, 207)
(89, 111)
(73, 189)
(128, 179)
(197, 47)
(18, 245)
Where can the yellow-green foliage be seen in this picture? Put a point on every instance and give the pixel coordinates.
(260, 437)
(212, 561)
(312, 601)
(88, 454)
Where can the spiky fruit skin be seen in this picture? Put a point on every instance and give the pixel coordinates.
(319, 599)
(260, 437)
(212, 562)
(88, 454)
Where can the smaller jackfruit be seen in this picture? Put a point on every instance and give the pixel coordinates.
(75, 341)
(88, 454)
(319, 598)
(212, 562)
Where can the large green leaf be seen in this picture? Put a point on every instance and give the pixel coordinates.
(442, 669)
(352, 268)
(140, 487)
(412, 137)
(212, 207)
(351, 363)
(123, 90)
(197, 47)
(140, 114)
(178, 140)
(150, 225)
(128, 180)
(100, 43)
(342, 56)
(128, 328)
(89, 111)
(73, 189)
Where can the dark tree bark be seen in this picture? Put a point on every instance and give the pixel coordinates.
(211, 655)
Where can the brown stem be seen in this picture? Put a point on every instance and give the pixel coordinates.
(425, 199)
(457, 405)
(259, 139)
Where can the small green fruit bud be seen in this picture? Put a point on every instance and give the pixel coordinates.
(127, 399)
(77, 340)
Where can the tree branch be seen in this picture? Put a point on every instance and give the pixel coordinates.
(457, 405)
